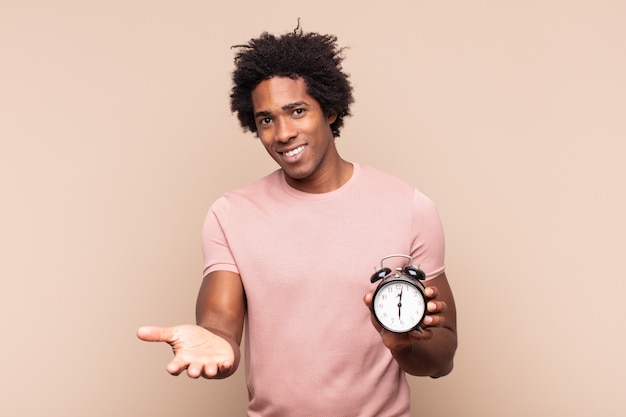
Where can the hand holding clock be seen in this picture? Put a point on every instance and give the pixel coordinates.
(434, 318)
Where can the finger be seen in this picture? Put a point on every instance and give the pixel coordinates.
(224, 369)
(176, 366)
(155, 334)
(197, 369)
(367, 299)
(194, 369)
(225, 366)
(436, 307)
(434, 321)
(431, 292)
(210, 370)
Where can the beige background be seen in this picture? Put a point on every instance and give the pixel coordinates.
(116, 136)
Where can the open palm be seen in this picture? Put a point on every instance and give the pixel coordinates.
(196, 349)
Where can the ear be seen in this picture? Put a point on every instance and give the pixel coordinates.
(331, 118)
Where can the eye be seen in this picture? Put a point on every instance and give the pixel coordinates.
(298, 112)
(264, 121)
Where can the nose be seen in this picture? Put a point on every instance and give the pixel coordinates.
(285, 131)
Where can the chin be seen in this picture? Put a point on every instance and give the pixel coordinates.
(296, 171)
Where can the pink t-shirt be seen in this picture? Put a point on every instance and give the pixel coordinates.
(305, 261)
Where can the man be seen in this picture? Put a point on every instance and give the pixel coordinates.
(288, 258)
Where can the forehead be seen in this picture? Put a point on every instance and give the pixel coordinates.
(280, 92)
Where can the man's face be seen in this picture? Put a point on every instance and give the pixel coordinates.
(295, 132)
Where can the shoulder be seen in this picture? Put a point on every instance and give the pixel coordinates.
(377, 174)
(258, 194)
(394, 190)
(252, 190)
(383, 181)
(270, 180)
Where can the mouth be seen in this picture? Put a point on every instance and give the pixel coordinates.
(293, 152)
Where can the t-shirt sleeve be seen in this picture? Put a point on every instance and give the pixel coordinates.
(215, 249)
(428, 250)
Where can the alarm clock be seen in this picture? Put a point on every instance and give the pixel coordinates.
(399, 303)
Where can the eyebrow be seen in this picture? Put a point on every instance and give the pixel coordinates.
(288, 106)
(294, 105)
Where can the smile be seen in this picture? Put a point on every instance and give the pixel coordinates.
(294, 152)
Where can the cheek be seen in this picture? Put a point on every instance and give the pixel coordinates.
(264, 139)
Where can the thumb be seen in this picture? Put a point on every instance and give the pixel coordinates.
(367, 299)
(154, 334)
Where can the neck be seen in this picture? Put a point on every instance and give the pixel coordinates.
(329, 180)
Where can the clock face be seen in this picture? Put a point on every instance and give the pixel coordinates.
(399, 305)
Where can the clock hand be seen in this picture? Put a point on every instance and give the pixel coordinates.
(400, 303)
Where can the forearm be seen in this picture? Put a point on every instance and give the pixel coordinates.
(433, 357)
(221, 309)
(221, 304)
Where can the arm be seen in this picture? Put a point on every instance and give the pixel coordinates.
(210, 348)
(431, 351)
(221, 309)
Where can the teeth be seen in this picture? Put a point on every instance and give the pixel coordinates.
(295, 151)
